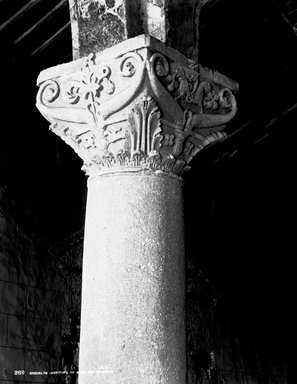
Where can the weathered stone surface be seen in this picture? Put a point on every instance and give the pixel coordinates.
(52, 338)
(27, 303)
(68, 255)
(4, 265)
(100, 24)
(133, 303)
(12, 298)
(139, 105)
(45, 303)
(3, 328)
(15, 330)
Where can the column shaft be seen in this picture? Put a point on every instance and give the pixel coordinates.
(133, 292)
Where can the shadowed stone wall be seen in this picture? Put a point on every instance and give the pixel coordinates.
(33, 307)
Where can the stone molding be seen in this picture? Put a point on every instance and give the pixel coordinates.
(139, 105)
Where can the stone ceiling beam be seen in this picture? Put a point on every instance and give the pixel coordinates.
(100, 24)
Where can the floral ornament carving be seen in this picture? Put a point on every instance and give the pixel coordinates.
(168, 139)
(175, 79)
(95, 81)
(195, 93)
(139, 104)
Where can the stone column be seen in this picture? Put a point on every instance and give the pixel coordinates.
(136, 113)
(133, 270)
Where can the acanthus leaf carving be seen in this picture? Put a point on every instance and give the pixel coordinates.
(144, 120)
(139, 107)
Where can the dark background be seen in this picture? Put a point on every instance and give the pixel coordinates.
(239, 196)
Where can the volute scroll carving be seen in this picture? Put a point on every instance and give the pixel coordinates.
(138, 106)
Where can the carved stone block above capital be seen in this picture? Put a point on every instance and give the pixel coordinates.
(137, 106)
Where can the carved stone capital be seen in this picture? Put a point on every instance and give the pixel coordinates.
(137, 106)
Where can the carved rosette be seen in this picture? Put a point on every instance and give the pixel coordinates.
(138, 106)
